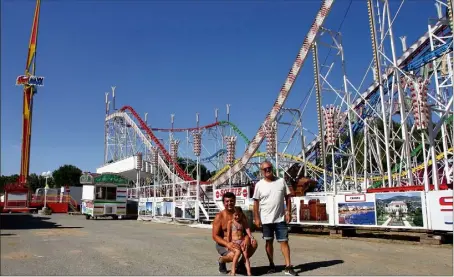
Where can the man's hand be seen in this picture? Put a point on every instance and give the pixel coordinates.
(245, 244)
(231, 246)
(258, 222)
(287, 217)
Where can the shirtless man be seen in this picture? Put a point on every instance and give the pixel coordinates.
(224, 248)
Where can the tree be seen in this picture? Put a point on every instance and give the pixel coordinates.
(190, 165)
(4, 180)
(35, 182)
(67, 175)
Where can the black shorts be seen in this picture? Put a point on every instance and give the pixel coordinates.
(221, 250)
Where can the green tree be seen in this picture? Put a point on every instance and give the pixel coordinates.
(190, 166)
(67, 175)
(4, 180)
(417, 218)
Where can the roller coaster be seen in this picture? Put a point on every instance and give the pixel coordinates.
(394, 135)
(404, 117)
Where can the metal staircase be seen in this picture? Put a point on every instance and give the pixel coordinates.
(208, 208)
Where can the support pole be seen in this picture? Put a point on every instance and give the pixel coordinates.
(378, 78)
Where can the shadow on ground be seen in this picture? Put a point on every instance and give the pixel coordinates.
(262, 270)
(27, 221)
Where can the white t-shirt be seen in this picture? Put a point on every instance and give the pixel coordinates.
(272, 198)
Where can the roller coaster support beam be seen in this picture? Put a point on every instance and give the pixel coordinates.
(347, 93)
(378, 78)
(438, 87)
(299, 125)
(403, 114)
(319, 115)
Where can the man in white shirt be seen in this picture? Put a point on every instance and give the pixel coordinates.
(270, 214)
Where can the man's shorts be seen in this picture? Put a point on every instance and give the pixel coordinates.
(221, 250)
(279, 229)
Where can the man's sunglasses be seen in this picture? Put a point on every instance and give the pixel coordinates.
(267, 169)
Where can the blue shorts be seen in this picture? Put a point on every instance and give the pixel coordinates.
(279, 229)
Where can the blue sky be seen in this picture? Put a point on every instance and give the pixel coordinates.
(204, 55)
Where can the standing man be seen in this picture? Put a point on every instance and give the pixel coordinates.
(269, 212)
(219, 234)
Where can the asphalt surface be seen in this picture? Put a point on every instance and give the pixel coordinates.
(71, 245)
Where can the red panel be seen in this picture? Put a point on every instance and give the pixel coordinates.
(58, 207)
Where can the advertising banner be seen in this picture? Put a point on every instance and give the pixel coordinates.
(312, 210)
(401, 210)
(440, 208)
(355, 209)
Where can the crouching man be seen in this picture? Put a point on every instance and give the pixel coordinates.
(219, 234)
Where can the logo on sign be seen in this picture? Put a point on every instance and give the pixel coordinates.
(29, 80)
(239, 192)
(446, 203)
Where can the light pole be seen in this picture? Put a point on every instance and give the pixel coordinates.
(46, 175)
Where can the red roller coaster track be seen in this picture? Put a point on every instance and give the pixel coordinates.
(180, 172)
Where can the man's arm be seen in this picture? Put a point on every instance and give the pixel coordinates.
(288, 199)
(256, 198)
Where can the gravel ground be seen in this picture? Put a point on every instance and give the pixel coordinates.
(71, 245)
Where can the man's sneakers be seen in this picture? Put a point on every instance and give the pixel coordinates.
(241, 268)
(271, 269)
(289, 271)
(222, 267)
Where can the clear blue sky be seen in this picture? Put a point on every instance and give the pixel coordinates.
(204, 55)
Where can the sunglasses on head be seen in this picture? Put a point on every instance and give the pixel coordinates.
(267, 169)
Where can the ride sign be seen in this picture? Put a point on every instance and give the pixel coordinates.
(441, 208)
(240, 192)
(29, 80)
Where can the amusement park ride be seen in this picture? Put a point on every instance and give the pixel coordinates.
(391, 139)
(386, 149)
(17, 194)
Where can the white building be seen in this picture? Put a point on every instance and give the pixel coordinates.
(396, 206)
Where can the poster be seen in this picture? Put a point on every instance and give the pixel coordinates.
(356, 209)
(167, 208)
(313, 210)
(189, 208)
(158, 207)
(179, 209)
(399, 209)
(294, 218)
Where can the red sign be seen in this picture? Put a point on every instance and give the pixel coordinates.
(240, 192)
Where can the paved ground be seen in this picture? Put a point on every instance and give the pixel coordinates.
(71, 245)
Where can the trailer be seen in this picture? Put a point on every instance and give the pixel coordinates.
(104, 195)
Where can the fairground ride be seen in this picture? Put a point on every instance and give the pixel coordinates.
(394, 134)
(30, 82)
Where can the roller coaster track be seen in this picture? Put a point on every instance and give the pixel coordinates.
(320, 170)
(282, 96)
(407, 57)
(180, 175)
(209, 126)
(255, 143)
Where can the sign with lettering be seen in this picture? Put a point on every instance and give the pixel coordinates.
(30, 80)
(240, 192)
(111, 178)
(440, 209)
(355, 198)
